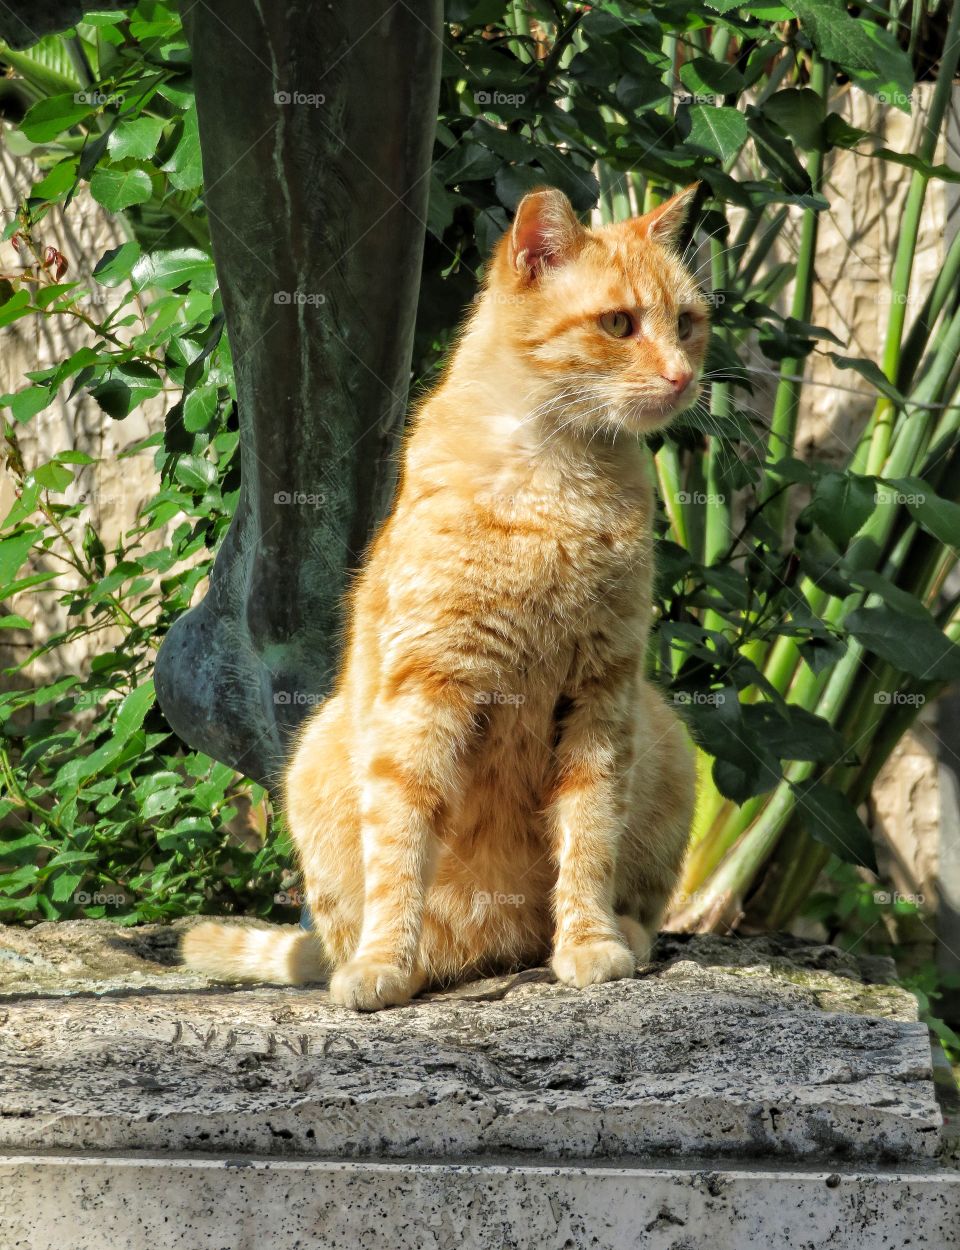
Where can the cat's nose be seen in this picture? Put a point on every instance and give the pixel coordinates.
(679, 380)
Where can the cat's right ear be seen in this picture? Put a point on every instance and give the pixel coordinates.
(545, 232)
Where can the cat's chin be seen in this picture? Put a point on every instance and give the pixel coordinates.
(649, 418)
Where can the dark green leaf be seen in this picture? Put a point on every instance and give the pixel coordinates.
(911, 644)
(841, 504)
(830, 818)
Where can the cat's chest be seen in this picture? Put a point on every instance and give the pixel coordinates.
(597, 544)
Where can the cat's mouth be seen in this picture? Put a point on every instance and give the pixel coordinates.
(649, 411)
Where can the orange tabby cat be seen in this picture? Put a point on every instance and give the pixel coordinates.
(493, 780)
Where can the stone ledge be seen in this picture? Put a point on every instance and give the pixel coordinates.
(732, 1048)
(88, 1202)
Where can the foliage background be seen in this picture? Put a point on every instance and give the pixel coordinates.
(786, 587)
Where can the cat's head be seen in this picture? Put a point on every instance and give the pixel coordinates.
(609, 322)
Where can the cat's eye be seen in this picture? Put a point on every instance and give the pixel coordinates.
(684, 325)
(617, 324)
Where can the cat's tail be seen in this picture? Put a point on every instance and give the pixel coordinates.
(278, 954)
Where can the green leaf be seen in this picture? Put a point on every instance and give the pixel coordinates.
(195, 473)
(778, 154)
(720, 131)
(160, 802)
(703, 76)
(175, 268)
(910, 643)
(822, 652)
(18, 305)
(797, 111)
(132, 713)
(13, 552)
(184, 167)
(939, 517)
(872, 372)
(795, 734)
(137, 138)
(895, 596)
(14, 622)
(124, 387)
(76, 361)
(830, 818)
(53, 476)
(115, 265)
(743, 766)
(73, 457)
(27, 403)
(865, 50)
(842, 503)
(910, 161)
(48, 295)
(65, 885)
(58, 180)
(838, 133)
(199, 408)
(117, 189)
(47, 119)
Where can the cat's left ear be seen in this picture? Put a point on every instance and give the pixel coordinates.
(664, 223)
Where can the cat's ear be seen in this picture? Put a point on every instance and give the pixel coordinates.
(664, 223)
(545, 232)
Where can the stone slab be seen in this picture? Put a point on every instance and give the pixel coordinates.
(189, 1203)
(733, 1048)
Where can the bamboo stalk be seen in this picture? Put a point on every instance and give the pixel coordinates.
(786, 405)
(874, 447)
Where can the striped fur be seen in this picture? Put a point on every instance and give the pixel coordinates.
(493, 782)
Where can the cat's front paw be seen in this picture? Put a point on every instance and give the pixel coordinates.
(593, 962)
(365, 986)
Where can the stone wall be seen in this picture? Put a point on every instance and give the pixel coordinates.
(112, 489)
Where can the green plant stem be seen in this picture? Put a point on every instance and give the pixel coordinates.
(786, 405)
(874, 447)
(945, 289)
